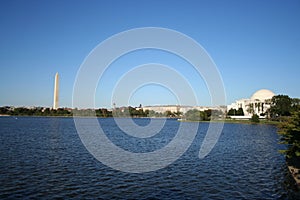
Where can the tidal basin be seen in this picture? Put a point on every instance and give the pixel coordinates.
(43, 157)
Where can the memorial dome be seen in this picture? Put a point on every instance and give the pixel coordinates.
(262, 95)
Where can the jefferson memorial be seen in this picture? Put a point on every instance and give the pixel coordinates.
(258, 104)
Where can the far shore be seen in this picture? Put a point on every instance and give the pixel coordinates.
(232, 121)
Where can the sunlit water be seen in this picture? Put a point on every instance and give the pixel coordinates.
(44, 158)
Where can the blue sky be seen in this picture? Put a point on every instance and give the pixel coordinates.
(255, 45)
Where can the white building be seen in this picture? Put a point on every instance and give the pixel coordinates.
(182, 109)
(258, 104)
(162, 108)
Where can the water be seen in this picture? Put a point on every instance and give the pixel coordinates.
(44, 158)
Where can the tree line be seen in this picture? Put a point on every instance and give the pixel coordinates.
(101, 112)
(37, 111)
(205, 115)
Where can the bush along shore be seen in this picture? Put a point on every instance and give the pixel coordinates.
(287, 112)
(289, 129)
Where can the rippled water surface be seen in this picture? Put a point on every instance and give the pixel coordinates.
(44, 158)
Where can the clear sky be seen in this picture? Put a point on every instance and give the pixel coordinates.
(255, 45)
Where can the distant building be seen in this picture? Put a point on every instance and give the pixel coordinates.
(162, 108)
(258, 104)
(182, 109)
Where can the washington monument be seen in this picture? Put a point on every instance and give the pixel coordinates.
(56, 91)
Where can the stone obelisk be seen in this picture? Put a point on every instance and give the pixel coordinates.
(56, 91)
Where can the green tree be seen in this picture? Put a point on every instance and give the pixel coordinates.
(132, 111)
(290, 135)
(177, 114)
(196, 115)
(295, 104)
(146, 113)
(168, 113)
(281, 105)
(46, 111)
(193, 115)
(118, 112)
(151, 113)
(4, 110)
(231, 112)
(240, 112)
(205, 115)
(234, 112)
(255, 118)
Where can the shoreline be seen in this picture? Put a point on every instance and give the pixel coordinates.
(262, 122)
(227, 121)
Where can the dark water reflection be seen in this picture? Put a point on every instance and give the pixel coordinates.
(44, 158)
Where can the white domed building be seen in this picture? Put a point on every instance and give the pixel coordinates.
(262, 95)
(258, 104)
